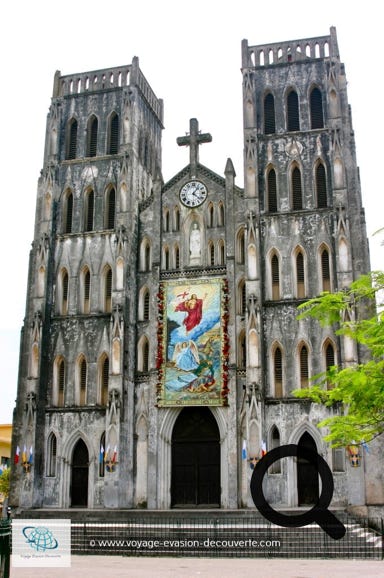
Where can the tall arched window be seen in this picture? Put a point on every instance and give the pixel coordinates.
(241, 298)
(92, 130)
(64, 290)
(242, 351)
(103, 380)
(143, 355)
(166, 258)
(108, 290)
(220, 215)
(304, 366)
(82, 381)
(275, 443)
(269, 114)
(278, 372)
(51, 456)
(71, 140)
(166, 221)
(210, 216)
(297, 194)
(177, 257)
(113, 134)
(293, 121)
(271, 191)
(145, 255)
(221, 252)
(86, 290)
(58, 382)
(329, 358)
(177, 219)
(240, 246)
(316, 106)
(321, 187)
(89, 209)
(300, 276)
(325, 271)
(67, 212)
(110, 208)
(211, 253)
(275, 274)
(146, 297)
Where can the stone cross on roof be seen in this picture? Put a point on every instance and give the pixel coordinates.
(193, 140)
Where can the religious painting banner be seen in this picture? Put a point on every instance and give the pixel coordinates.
(192, 343)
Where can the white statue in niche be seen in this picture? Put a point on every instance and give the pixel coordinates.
(195, 245)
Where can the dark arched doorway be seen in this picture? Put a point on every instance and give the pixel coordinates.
(79, 477)
(195, 460)
(307, 474)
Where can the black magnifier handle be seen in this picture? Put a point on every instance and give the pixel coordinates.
(329, 523)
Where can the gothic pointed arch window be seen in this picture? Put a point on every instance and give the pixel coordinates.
(143, 355)
(85, 290)
(166, 258)
(177, 257)
(177, 219)
(220, 215)
(113, 134)
(271, 191)
(145, 255)
(275, 277)
(166, 221)
(316, 108)
(278, 372)
(63, 292)
(103, 380)
(304, 365)
(241, 298)
(300, 275)
(325, 270)
(110, 208)
(210, 213)
(67, 212)
(92, 130)
(146, 298)
(329, 358)
(221, 252)
(211, 253)
(89, 209)
(240, 246)
(58, 392)
(273, 444)
(71, 140)
(293, 118)
(296, 189)
(269, 114)
(51, 462)
(242, 351)
(321, 187)
(81, 381)
(107, 289)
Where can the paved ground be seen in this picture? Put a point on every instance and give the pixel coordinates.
(129, 567)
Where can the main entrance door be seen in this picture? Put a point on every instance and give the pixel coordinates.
(307, 475)
(79, 478)
(195, 460)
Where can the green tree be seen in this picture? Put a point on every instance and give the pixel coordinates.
(357, 390)
(4, 483)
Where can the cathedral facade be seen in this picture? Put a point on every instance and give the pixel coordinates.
(161, 344)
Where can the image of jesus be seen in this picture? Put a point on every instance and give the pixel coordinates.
(194, 309)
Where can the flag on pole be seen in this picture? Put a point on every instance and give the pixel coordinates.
(24, 455)
(114, 457)
(263, 448)
(30, 460)
(244, 450)
(17, 454)
(106, 454)
(101, 455)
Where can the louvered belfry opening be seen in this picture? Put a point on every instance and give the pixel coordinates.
(304, 373)
(61, 381)
(111, 208)
(278, 370)
(90, 205)
(269, 114)
(275, 278)
(297, 194)
(87, 291)
(68, 214)
(104, 381)
(293, 123)
(300, 275)
(83, 381)
(72, 140)
(92, 136)
(325, 271)
(316, 106)
(321, 187)
(114, 135)
(272, 191)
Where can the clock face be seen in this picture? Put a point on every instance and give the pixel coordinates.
(193, 194)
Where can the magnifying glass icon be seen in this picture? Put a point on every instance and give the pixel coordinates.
(319, 513)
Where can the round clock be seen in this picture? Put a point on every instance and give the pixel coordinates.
(193, 194)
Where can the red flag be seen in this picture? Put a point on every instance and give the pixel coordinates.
(17, 454)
